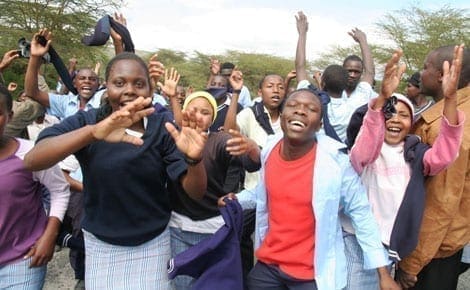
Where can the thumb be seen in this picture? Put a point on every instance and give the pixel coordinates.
(172, 130)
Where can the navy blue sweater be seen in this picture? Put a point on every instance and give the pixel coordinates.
(126, 200)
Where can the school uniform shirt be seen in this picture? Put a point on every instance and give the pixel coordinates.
(336, 186)
(249, 126)
(125, 196)
(63, 106)
(22, 215)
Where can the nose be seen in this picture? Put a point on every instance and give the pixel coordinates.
(130, 89)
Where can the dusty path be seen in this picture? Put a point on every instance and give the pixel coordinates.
(60, 275)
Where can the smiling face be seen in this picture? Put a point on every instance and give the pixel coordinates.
(272, 91)
(86, 83)
(203, 110)
(397, 127)
(127, 80)
(301, 117)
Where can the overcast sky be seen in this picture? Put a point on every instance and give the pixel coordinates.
(254, 26)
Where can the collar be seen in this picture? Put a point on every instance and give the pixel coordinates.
(435, 112)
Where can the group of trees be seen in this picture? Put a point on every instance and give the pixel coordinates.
(415, 30)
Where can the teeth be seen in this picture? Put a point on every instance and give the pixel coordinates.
(394, 129)
(297, 123)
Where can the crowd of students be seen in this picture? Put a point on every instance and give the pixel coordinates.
(341, 187)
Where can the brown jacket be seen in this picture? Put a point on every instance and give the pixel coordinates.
(446, 222)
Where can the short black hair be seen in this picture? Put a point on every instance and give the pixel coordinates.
(446, 53)
(261, 82)
(6, 97)
(352, 57)
(335, 79)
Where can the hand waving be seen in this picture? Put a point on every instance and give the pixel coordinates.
(191, 139)
(37, 49)
(171, 80)
(451, 73)
(392, 74)
(113, 128)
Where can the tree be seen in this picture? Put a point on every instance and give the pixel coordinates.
(69, 21)
(416, 31)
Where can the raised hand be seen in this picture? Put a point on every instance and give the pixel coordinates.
(302, 23)
(37, 49)
(236, 79)
(8, 58)
(358, 35)
(214, 66)
(239, 144)
(120, 19)
(392, 74)
(156, 69)
(171, 80)
(191, 139)
(113, 128)
(451, 73)
(12, 87)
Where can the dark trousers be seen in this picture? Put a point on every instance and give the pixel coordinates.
(440, 274)
(270, 277)
(246, 243)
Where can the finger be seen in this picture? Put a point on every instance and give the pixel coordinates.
(172, 130)
(160, 85)
(185, 119)
(234, 133)
(154, 57)
(134, 140)
(143, 113)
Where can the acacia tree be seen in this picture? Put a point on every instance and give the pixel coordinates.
(69, 21)
(415, 30)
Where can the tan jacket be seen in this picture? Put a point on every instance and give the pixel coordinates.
(446, 222)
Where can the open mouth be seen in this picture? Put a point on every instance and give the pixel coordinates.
(86, 90)
(394, 131)
(296, 125)
(276, 98)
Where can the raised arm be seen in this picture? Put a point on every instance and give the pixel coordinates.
(214, 69)
(171, 80)
(7, 59)
(289, 77)
(369, 141)
(446, 147)
(236, 81)
(34, 63)
(117, 39)
(51, 150)
(302, 28)
(191, 141)
(369, 68)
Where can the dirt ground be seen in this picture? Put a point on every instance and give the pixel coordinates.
(60, 274)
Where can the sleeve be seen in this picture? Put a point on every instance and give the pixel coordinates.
(173, 158)
(245, 98)
(54, 180)
(243, 121)
(247, 198)
(356, 206)
(369, 141)
(303, 84)
(446, 147)
(57, 105)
